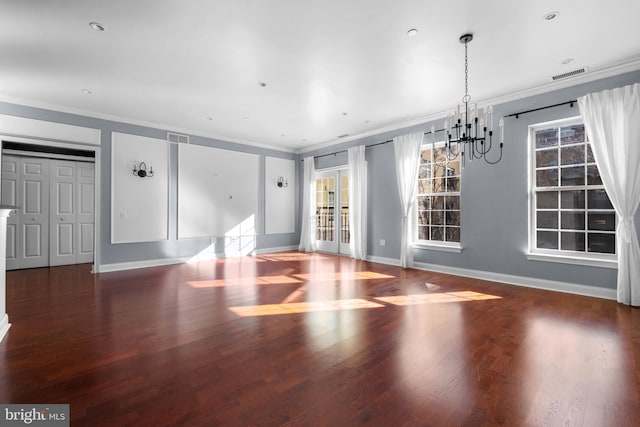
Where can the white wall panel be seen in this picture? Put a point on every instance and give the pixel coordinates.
(139, 206)
(217, 192)
(280, 202)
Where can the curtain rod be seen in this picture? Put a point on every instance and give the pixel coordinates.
(367, 146)
(516, 115)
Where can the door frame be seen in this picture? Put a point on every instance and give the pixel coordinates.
(336, 247)
(97, 182)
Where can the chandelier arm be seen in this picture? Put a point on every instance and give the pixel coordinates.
(497, 160)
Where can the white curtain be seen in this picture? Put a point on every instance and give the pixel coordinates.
(357, 202)
(407, 154)
(308, 230)
(612, 122)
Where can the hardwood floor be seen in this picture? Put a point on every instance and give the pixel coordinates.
(309, 340)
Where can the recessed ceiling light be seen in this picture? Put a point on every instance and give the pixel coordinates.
(87, 91)
(344, 114)
(246, 118)
(282, 134)
(412, 32)
(567, 61)
(367, 121)
(551, 15)
(96, 26)
(209, 118)
(262, 84)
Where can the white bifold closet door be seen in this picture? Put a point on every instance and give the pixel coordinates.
(54, 224)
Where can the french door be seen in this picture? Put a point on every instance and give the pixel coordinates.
(332, 211)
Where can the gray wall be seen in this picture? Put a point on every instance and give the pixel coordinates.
(494, 198)
(172, 248)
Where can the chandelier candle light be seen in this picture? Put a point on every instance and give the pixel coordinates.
(468, 134)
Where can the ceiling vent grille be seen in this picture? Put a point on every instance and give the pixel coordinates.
(343, 136)
(569, 74)
(177, 138)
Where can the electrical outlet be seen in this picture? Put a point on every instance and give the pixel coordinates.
(383, 242)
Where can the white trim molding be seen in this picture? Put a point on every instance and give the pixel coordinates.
(51, 130)
(208, 256)
(528, 282)
(4, 326)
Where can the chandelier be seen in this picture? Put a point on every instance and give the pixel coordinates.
(470, 131)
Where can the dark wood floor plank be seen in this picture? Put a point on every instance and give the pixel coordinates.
(352, 343)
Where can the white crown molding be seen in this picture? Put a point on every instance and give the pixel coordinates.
(121, 119)
(590, 76)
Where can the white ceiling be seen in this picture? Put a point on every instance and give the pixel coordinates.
(195, 65)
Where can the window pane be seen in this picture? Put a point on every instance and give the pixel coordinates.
(424, 203)
(547, 138)
(425, 156)
(452, 202)
(572, 242)
(547, 240)
(572, 134)
(423, 218)
(546, 158)
(453, 234)
(598, 199)
(593, 175)
(452, 184)
(423, 186)
(590, 158)
(423, 233)
(437, 202)
(452, 218)
(572, 176)
(437, 233)
(572, 220)
(572, 155)
(437, 217)
(547, 178)
(602, 243)
(602, 221)
(425, 171)
(547, 200)
(572, 199)
(547, 220)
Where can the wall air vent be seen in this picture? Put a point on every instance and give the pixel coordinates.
(569, 74)
(177, 138)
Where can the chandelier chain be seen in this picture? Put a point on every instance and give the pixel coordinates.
(466, 71)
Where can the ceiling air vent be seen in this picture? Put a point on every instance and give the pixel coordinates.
(176, 137)
(343, 136)
(570, 74)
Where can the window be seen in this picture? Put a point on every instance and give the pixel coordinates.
(438, 197)
(570, 211)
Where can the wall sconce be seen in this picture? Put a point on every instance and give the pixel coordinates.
(141, 170)
(282, 182)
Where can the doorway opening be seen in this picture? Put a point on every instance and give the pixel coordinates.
(55, 190)
(332, 211)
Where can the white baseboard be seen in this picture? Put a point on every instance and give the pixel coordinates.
(529, 282)
(274, 250)
(4, 326)
(382, 260)
(106, 268)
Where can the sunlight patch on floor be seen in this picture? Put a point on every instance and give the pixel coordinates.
(291, 257)
(460, 296)
(351, 275)
(302, 307)
(244, 281)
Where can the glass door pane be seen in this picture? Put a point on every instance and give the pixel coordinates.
(344, 212)
(332, 211)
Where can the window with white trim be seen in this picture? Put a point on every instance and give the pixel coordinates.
(571, 214)
(438, 199)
